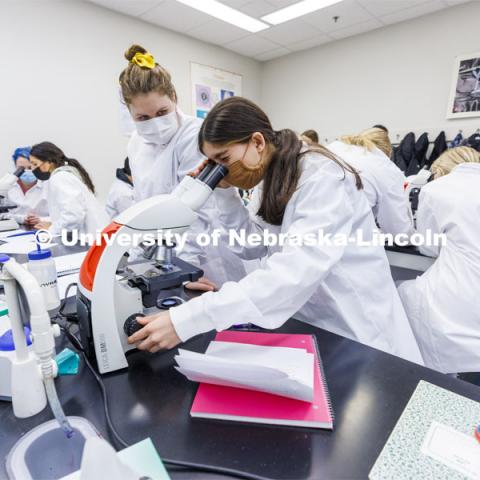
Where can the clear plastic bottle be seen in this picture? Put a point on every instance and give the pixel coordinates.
(42, 266)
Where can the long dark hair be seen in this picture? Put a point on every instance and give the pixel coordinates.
(49, 152)
(235, 120)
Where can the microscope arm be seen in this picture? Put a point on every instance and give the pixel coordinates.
(9, 180)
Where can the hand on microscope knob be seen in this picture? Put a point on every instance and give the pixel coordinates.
(203, 284)
(158, 333)
(198, 170)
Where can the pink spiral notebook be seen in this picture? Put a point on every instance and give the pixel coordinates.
(241, 405)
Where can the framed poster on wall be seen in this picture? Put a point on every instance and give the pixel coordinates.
(465, 90)
(211, 85)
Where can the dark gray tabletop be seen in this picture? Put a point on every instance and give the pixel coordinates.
(369, 390)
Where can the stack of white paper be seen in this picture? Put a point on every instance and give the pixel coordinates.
(278, 370)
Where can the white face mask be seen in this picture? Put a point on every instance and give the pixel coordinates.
(158, 130)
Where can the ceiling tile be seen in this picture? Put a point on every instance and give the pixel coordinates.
(251, 45)
(379, 8)
(234, 3)
(176, 16)
(413, 12)
(310, 43)
(363, 27)
(349, 12)
(129, 7)
(278, 4)
(278, 52)
(292, 31)
(216, 31)
(257, 8)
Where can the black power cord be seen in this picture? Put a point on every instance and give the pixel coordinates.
(169, 463)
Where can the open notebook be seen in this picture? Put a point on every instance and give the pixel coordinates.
(245, 405)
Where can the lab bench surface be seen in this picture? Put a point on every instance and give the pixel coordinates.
(369, 390)
(409, 259)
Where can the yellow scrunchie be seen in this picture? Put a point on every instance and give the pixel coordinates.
(144, 60)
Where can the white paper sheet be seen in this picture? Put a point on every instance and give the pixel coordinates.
(288, 372)
(454, 449)
(7, 233)
(21, 245)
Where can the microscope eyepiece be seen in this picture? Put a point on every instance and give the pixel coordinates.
(212, 174)
(18, 172)
(207, 169)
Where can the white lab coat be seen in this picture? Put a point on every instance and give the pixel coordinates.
(120, 197)
(383, 184)
(33, 201)
(72, 205)
(443, 304)
(344, 289)
(158, 169)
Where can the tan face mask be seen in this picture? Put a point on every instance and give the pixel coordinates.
(244, 176)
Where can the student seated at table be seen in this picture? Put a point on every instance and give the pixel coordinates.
(120, 195)
(443, 304)
(369, 152)
(29, 194)
(71, 193)
(342, 287)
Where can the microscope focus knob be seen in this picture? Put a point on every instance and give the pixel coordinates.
(131, 325)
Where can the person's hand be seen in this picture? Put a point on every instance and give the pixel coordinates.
(203, 284)
(42, 225)
(31, 220)
(157, 334)
(198, 170)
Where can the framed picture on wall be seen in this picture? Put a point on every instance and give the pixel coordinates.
(211, 85)
(465, 90)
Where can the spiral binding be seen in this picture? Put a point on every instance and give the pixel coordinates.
(324, 379)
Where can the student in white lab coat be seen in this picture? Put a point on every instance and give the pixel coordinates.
(120, 195)
(443, 304)
(369, 152)
(71, 193)
(28, 193)
(163, 150)
(344, 289)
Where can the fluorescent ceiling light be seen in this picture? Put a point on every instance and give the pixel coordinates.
(227, 14)
(297, 10)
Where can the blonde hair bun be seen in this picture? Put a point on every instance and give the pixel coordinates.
(132, 50)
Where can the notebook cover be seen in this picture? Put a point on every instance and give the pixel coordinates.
(401, 457)
(238, 404)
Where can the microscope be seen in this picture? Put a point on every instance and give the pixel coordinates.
(414, 184)
(6, 183)
(108, 303)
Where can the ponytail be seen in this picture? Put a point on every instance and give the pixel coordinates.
(281, 177)
(83, 173)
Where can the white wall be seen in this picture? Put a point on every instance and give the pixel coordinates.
(399, 76)
(59, 77)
